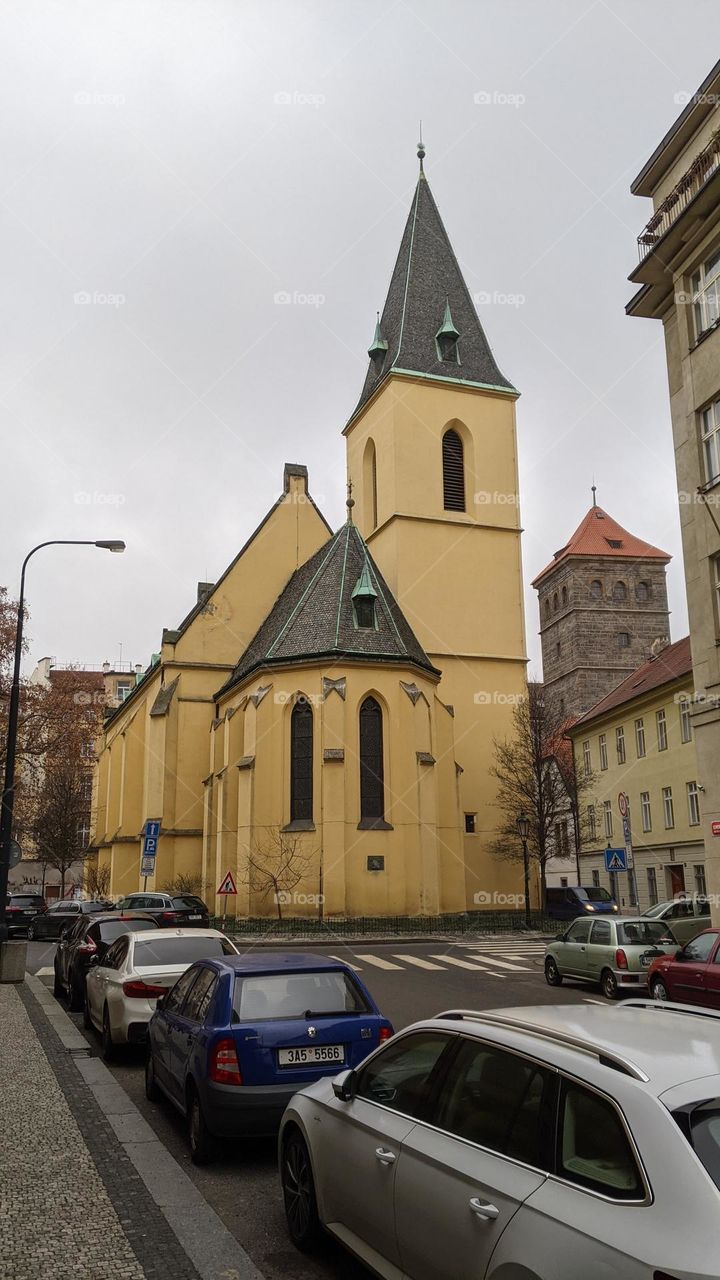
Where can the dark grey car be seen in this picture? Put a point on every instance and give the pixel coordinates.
(51, 923)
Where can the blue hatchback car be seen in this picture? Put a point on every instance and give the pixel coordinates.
(237, 1036)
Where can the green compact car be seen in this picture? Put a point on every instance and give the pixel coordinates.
(685, 917)
(616, 954)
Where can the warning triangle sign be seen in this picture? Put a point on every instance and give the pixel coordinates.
(228, 884)
(616, 863)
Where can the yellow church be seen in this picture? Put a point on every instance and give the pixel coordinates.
(321, 724)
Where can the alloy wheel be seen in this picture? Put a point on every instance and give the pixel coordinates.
(658, 990)
(299, 1193)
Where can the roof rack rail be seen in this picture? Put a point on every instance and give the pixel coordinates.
(669, 1006)
(607, 1057)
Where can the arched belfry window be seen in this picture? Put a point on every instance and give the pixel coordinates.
(370, 485)
(301, 762)
(453, 472)
(372, 778)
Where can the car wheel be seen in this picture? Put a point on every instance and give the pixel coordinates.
(152, 1093)
(200, 1139)
(108, 1048)
(553, 976)
(608, 983)
(87, 1020)
(658, 990)
(299, 1193)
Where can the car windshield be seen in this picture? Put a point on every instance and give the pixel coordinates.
(638, 933)
(657, 910)
(111, 929)
(161, 949)
(296, 995)
(189, 900)
(594, 893)
(93, 906)
(701, 1126)
(24, 900)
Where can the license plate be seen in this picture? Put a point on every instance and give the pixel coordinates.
(304, 1056)
(197, 917)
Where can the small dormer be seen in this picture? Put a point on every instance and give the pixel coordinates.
(378, 347)
(364, 596)
(446, 338)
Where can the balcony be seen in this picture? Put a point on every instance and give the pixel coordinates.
(690, 185)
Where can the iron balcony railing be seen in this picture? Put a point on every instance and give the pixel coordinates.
(691, 183)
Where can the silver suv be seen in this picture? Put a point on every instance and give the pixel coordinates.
(548, 1143)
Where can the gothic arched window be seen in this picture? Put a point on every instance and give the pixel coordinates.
(453, 472)
(619, 591)
(372, 779)
(301, 762)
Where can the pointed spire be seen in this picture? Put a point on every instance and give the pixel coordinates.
(379, 346)
(364, 586)
(421, 152)
(350, 503)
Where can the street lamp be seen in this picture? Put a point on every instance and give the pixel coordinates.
(8, 795)
(523, 826)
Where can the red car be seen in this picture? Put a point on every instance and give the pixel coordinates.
(692, 976)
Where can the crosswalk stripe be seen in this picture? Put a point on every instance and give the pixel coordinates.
(418, 960)
(347, 962)
(45, 973)
(378, 962)
(503, 964)
(461, 964)
(590, 1000)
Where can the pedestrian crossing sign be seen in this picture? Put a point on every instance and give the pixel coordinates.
(615, 860)
(228, 885)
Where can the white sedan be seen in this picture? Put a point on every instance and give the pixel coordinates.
(122, 990)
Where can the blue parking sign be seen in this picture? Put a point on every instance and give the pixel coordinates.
(149, 847)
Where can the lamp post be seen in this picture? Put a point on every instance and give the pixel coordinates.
(523, 826)
(8, 795)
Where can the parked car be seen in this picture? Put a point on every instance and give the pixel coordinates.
(571, 901)
(21, 909)
(236, 1037)
(692, 975)
(685, 917)
(139, 967)
(548, 1143)
(616, 954)
(86, 941)
(50, 923)
(171, 912)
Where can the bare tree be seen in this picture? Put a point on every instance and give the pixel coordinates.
(186, 882)
(97, 878)
(277, 864)
(62, 807)
(536, 776)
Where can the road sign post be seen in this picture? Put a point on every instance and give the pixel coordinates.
(226, 889)
(149, 849)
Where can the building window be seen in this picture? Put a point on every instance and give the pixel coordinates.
(643, 591)
(699, 873)
(602, 743)
(587, 759)
(595, 878)
(620, 744)
(705, 289)
(301, 762)
(710, 430)
(563, 882)
(558, 649)
(591, 823)
(652, 886)
(564, 596)
(370, 484)
(624, 639)
(453, 472)
(640, 738)
(645, 812)
(607, 810)
(693, 798)
(619, 591)
(86, 789)
(685, 725)
(87, 749)
(668, 809)
(596, 589)
(123, 689)
(716, 591)
(562, 848)
(372, 776)
(83, 834)
(365, 613)
(662, 738)
(547, 607)
(556, 602)
(470, 819)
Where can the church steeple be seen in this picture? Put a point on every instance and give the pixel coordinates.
(428, 308)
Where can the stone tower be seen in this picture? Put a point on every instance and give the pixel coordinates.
(603, 604)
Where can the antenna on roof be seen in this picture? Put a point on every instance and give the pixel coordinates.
(421, 149)
(594, 492)
(350, 501)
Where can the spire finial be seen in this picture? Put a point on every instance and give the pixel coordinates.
(350, 501)
(421, 149)
(594, 494)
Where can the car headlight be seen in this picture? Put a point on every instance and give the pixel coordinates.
(589, 906)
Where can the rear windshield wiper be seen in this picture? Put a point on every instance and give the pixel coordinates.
(331, 1013)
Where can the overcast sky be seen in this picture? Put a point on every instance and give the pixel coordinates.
(182, 163)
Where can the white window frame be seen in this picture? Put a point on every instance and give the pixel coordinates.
(662, 733)
(595, 878)
(640, 747)
(645, 811)
(710, 437)
(602, 744)
(592, 822)
(652, 886)
(608, 814)
(668, 808)
(587, 759)
(705, 289)
(693, 799)
(700, 881)
(620, 743)
(685, 721)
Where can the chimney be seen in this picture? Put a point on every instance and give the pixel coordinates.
(203, 590)
(295, 482)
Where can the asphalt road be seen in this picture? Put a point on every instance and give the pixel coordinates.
(410, 981)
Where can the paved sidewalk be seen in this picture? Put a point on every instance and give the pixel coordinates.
(87, 1191)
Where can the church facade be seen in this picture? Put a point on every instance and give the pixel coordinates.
(321, 725)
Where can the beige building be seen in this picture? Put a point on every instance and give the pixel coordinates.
(638, 740)
(679, 279)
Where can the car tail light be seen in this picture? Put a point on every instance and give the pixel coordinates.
(11, 911)
(385, 1033)
(224, 1065)
(171, 916)
(621, 960)
(138, 990)
(87, 947)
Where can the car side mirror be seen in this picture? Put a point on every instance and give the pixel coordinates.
(344, 1086)
(94, 960)
(560, 937)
